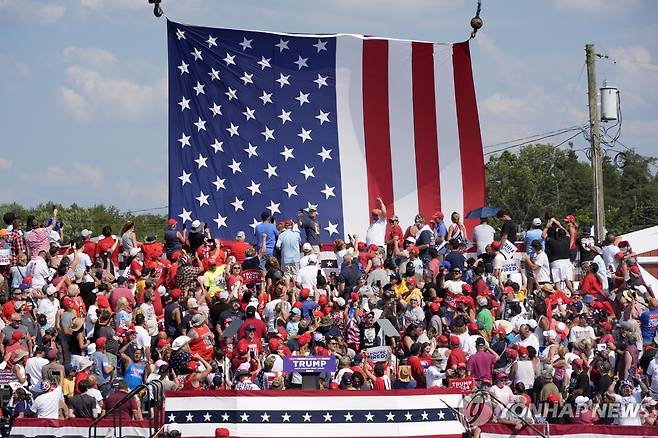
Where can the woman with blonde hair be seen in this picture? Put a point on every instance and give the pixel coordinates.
(19, 271)
(457, 230)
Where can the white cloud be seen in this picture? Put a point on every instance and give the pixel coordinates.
(636, 59)
(105, 4)
(96, 85)
(5, 163)
(501, 105)
(40, 12)
(78, 175)
(599, 7)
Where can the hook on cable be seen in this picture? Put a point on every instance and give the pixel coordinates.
(157, 10)
(476, 22)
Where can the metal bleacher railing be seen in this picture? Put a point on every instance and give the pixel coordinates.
(152, 397)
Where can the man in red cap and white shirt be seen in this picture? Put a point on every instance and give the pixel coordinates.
(376, 232)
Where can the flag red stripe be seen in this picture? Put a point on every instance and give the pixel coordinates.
(470, 140)
(425, 134)
(376, 123)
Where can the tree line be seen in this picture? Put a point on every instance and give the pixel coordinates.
(537, 180)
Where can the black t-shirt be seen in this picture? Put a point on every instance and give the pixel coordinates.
(350, 276)
(87, 292)
(82, 405)
(216, 311)
(557, 249)
(579, 381)
(509, 228)
(196, 240)
(251, 263)
(603, 384)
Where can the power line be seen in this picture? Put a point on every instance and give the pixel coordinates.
(531, 136)
(579, 129)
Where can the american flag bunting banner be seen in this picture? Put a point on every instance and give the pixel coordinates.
(318, 414)
(280, 122)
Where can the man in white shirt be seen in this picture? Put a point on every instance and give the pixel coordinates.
(270, 313)
(609, 251)
(48, 306)
(143, 338)
(541, 268)
(483, 235)
(580, 331)
(434, 374)
(38, 269)
(33, 369)
(48, 404)
(376, 233)
(307, 277)
(526, 338)
(80, 261)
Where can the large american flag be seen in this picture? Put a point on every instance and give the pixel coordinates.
(318, 414)
(280, 122)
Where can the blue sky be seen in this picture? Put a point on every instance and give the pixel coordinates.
(83, 82)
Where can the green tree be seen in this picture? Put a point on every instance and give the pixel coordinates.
(541, 178)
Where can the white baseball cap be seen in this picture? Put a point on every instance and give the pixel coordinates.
(240, 235)
(307, 247)
(85, 233)
(536, 222)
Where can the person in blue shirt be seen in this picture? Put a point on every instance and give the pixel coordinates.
(266, 234)
(288, 243)
(534, 233)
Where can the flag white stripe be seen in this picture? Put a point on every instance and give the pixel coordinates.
(327, 429)
(452, 194)
(349, 117)
(255, 403)
(401, 122)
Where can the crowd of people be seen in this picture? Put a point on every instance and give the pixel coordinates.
(88, 318)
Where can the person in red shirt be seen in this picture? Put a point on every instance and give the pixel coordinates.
(253, 343)
(83, 374)
(202, 339)
(77, 303)
(417, 368)
(89, 247)
(393, 230)
(251, 320)
(106, 246)
(239, 247)
(457, 355)
(592, 283)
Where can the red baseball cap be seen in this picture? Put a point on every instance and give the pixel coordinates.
(361, 246)
(578, 362)
(443, 339)
(434, 307)
(304, 293)
(102, 301)
(415, 250)
(606, 325)
(274, 344)
(635, 269)
(438, 215)
(412, 281)
(100, 342)
(454, 340)
(619, 255)
(175, 293)
(373, 247)
(162, 343)
(354, 296)
(570, 218)
(523, 351)
(495, 245)
(553, 399)
(322, 300)
(171, 221)
(512, 353)
(466, 287)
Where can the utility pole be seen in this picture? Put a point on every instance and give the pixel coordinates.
(595, 140)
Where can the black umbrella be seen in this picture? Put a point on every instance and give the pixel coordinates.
(482, 212)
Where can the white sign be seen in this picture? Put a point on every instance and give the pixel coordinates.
(378, 354)
(5, 255)
(511, 266)
(508, 249)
